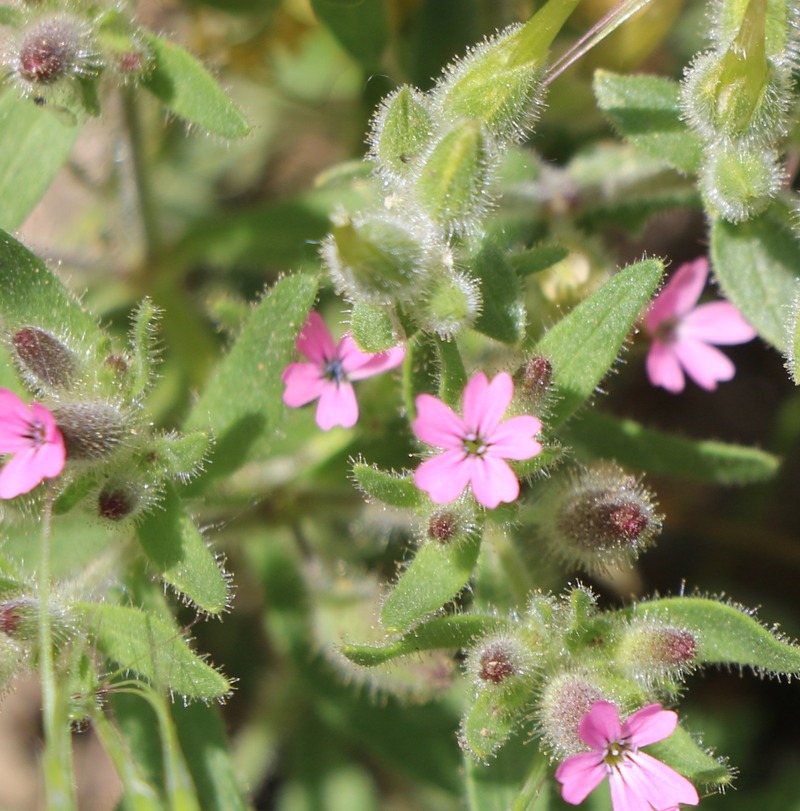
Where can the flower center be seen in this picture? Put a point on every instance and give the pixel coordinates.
(666, 331)
(617, 752)
(334, 371)
(36, 433)
(474, 445)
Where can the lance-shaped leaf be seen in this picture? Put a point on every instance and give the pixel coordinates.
(503, 313)
(757, 264)
(726, 634)
(242, 405)
(152, 647)
(632, 444)
(457, 631)
(492, 718)
(452, 375)
(390, 488)
(186, 88)
(585, 344)
(435, 576)
(34, 144)
(31, 296)
(646, 110)
(175, 547)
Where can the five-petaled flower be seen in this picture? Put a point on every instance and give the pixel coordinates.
(29, 433)
(683, 333)
(637, 780)
(329, 373)
(474, 448)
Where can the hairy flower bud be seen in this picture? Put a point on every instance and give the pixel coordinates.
(117, 501)
(565, 699)
(739, 181)
(455, 176)
(401, 130)
(600, 517)
(48, 51)
(653, 651)
(449, 303)
(499, 660)
(43, 359)
(533, 383)
(91, 430)
(374, 257)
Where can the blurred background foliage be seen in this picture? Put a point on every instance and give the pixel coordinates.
(307, 556)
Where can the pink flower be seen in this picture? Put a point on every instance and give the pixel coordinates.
(638, 781)
(476, 446)
(328, 374)
(683, 333)
(29, 433)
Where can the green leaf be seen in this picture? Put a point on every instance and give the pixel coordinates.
(34, 145)
(727, 634)
(186, 88)
(433, 578)
(757, 264)
(179, 456)
(30, 295)
(177, 550)
(361, 26)
(685, 755)
(153, 648)
(457, 631)
(205, 748)
(452, 377)
(372, 326)
(537, 259)
(394, 489)
(646, 110)
(503, 313)
(242, 405)
(633, 445)
(584, 345)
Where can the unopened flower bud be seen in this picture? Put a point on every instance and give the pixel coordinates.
(442, 526)
(43, 358)
(375, 257)
(401, 130)
(600, 517)
(449, 303)
(738, 181)
(50, 50)
(498, 660)
(91, 430)
(565, 699)
(19, 619)
(117, 501)
(534, 382)
(455, 177)
(652, 651)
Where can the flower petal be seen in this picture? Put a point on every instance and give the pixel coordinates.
(717, 322)
(20, 474)
(443, 477)
(681, 293)
(658, 785)
(315, 340)
(492, 481)
(513, 439)
(703, 363)
(51, 458)
(650, 724)
(663, 368)
(15, 419)
(304, 383)
(337, 406)
(580, 775)
(600, 725)
(359, 365)
(437, 424)
(485, 402)
(624, 796)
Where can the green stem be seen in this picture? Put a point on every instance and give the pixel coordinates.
(148, 210)
(57, 756)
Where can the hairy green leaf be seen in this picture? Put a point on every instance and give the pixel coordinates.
(390, 488)
(503, 313)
